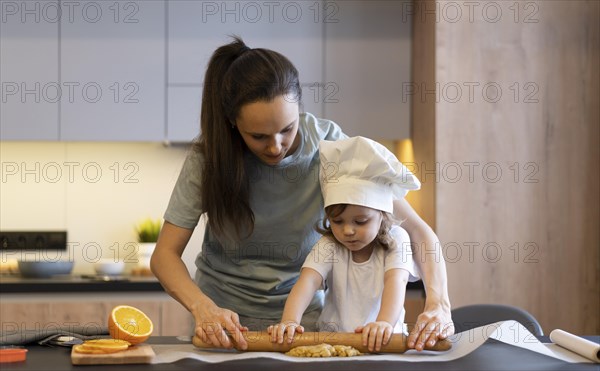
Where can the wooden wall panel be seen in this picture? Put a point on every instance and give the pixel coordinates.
(517, 205)
(423, 112)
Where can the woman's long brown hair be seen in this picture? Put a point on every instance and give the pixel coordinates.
(236, 75)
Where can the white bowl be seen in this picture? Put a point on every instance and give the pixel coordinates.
(109, 267)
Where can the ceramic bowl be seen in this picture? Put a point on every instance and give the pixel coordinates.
(44, 269)
(109, 267)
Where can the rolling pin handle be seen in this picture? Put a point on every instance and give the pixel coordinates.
(441, 345)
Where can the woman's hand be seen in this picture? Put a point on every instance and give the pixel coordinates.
(212, 322)
(375, 334)
(279, 330)
(435, 323)
(167, 266)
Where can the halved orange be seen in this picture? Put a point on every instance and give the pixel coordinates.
(130, 324)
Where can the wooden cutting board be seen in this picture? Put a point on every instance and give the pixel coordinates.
(136, 354)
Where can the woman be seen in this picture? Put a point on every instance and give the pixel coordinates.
(254, 171)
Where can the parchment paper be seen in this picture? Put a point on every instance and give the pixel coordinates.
(576, 344)
(509, 332)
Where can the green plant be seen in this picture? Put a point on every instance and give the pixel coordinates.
(148, 229)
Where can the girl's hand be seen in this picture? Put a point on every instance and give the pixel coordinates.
(375, 334)
(212, 322)
(435, 323)
(279, 330)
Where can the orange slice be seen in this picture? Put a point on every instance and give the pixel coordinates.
(106, 344)
(102, 346)
(80, 349)
(130, 324)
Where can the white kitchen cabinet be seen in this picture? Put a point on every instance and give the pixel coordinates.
(133, 70)
(183, 120)
(197, 28)
(113, 63)
(29, 71)
(353, 57)
(367, 67)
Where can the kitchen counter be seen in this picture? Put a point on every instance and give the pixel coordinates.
(27, 303)
(85, 283)
(492, 355)
(73, 283)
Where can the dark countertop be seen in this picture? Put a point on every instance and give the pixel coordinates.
(75, 283)
(492, 355)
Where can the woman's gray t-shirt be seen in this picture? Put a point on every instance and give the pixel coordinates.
(253, 277)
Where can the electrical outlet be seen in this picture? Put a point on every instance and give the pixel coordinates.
(33, 240)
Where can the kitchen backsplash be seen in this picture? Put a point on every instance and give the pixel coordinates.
(97, 192)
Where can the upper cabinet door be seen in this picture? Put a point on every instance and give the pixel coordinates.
(113, 67)
(31, 88)
(367, 67)
(197, 28)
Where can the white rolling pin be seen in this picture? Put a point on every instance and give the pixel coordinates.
(576, 344)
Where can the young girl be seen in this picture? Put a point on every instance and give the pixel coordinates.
(363, 259)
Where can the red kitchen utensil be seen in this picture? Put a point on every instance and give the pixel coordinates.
(12, 354)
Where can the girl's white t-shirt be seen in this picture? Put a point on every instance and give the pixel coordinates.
(353, 291)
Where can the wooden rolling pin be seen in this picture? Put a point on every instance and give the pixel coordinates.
(260, 341)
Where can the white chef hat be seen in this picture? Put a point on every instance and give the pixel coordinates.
(360, 171)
